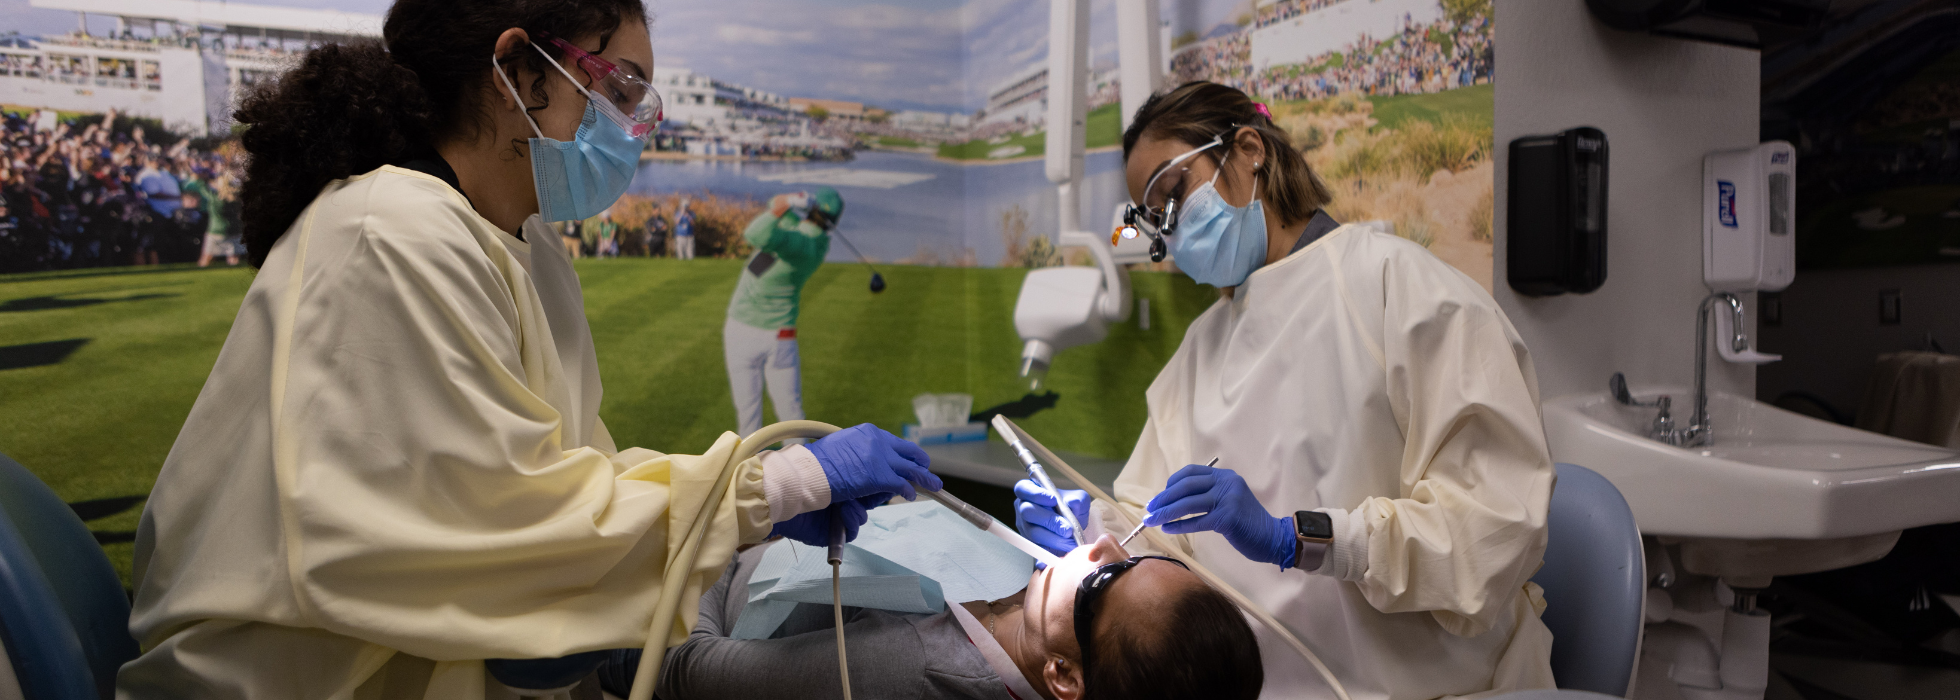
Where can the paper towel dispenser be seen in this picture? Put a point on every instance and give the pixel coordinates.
(1556, 213)
(1732, 22)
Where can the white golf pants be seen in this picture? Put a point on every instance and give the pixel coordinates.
(684, 247)
(756, 357)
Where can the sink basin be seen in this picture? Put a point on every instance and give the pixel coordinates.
(1768, 474)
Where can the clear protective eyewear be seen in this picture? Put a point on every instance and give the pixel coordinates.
(1160, 221)
(637, 107)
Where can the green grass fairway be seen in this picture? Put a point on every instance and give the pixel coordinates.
(1104, 128)
(1474, 102)
(99, 423)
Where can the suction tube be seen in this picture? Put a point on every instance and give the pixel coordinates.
(1159, 540)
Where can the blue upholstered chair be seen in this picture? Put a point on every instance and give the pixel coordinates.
(64, 618)
(1595, 584)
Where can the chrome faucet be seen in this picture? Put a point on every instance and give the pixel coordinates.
(1697, 433)
(1663, 428)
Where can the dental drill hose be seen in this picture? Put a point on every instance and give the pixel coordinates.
(681, 565)
(837, 593)
(1159, 540)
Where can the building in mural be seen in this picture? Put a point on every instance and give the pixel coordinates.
(180, 62)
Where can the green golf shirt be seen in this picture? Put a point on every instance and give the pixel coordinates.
(787, 251)
(207, 199)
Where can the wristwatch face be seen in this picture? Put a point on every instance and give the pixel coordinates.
(1314, 525)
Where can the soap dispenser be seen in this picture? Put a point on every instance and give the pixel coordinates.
(1749, 219)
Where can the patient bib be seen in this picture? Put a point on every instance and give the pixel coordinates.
(909, 558)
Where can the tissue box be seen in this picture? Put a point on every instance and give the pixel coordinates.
(971, 432)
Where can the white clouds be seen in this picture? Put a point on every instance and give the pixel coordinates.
(899, 56)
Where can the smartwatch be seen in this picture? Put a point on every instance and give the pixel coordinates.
(1314, 526)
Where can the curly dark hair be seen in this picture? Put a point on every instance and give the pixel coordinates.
(349, 108)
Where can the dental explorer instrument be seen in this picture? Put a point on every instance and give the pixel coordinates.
(1040, 477)
(982, 520)
(1158, 540)
(1133, 533)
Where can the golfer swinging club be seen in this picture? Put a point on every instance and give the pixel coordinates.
(790, 237)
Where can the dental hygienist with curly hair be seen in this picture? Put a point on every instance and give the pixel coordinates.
(396, 471)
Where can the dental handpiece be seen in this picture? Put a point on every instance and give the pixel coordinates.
(1041, 477)
(1133, 533)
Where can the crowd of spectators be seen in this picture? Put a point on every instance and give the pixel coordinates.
(94, 191)
(1422, 58)
(1287, 9)
(1226, 60)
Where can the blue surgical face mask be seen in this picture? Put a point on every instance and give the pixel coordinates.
(579, 179)
(1217, 243)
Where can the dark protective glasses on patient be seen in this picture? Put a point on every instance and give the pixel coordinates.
(1092, 589)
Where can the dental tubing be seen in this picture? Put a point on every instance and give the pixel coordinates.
(671, 585)
(1159, 540)
(836, 558)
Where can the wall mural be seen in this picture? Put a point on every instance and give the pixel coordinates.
(925, 116)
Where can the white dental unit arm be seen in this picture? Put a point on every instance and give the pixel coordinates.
(1062, 307)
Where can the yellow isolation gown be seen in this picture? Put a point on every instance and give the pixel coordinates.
(397, 470)
(1364, 377)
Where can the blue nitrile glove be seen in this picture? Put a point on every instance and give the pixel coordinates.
(864, 460)
(1038, 520)
(813, 528)
(1229, 509)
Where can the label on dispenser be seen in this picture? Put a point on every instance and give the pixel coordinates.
(1725, 202)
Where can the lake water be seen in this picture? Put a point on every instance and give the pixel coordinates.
(897, 205)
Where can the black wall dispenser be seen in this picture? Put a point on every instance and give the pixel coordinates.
(1556, 230)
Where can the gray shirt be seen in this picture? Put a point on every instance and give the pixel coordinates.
(892, 655)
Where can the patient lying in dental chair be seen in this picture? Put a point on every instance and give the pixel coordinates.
(1153, 630)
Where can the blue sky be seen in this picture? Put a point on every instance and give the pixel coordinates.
(900, 54)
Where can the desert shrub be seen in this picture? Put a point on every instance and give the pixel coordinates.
(1024, 249)
(1417, 149)
(718, 219)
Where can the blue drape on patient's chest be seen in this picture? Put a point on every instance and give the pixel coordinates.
(909, 558)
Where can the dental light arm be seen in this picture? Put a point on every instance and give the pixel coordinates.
(1160, 541)
(1062, 307)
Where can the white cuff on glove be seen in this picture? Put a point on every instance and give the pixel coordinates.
(793, 483)
(1347, 559)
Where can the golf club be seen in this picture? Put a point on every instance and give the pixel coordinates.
(877, 280)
